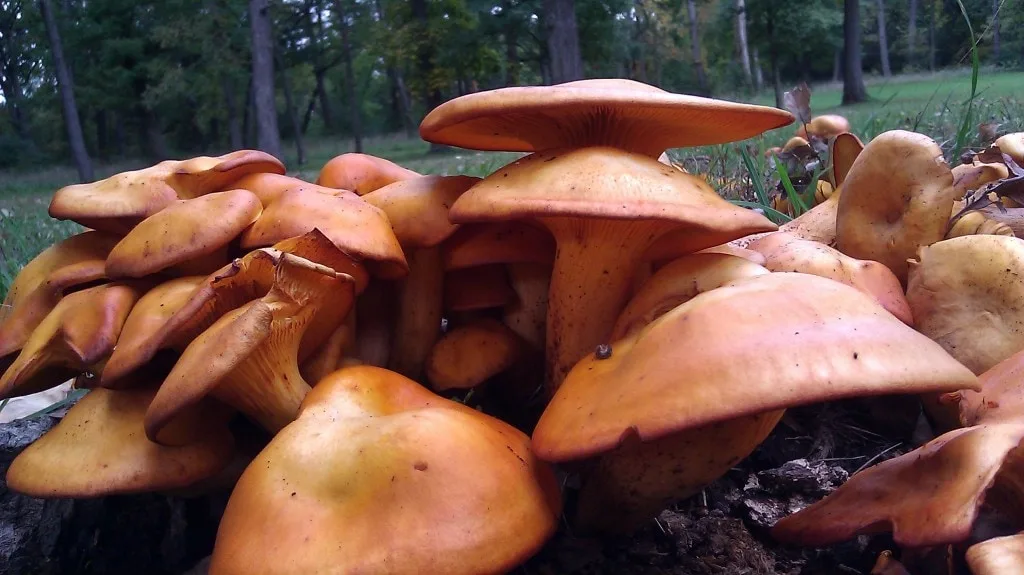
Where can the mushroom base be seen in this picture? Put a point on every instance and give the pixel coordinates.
(636, 481)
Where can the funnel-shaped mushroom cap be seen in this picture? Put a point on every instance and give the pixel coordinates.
(249, 357)
(977, 223)
(679, 282)
(842, 153)
(121, 201)
(997, 556)
(183, 231)
(965, 294)
(269, 187)
(816, 340)
(379, 475)
(42, 282)
(80, 331)
(470, 354)
(418, 208)
(1012, 145)
(361, 173)
(788, 253)
(824, 126)
(967, 177)
(604, 112)
(100, 448)
(895, 200)
(498, 243)
(356, 227)
(930, 496)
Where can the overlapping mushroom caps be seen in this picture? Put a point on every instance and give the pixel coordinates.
(376, 475)
(361, 173)
(121, 201)
(669, 408)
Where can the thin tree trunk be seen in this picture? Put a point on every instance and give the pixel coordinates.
(837, 64)
(935, 7)
(235, 140)
(326, 111)
(883, 42)
(432, 95)
(308, 114)
(268, 138)
(67, 95)
(758, 72)
(293, 115)
(355, 118)
(912, 34)
(741, 36)
(995, 31)
(511, 46)
(102, 133)
(563, 41)
(695, 51)
(853, 73)
(404, 102)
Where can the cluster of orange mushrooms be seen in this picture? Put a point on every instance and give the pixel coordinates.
(243, 329)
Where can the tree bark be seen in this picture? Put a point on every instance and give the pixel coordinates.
(758, 72)
(268, 138)
(853, 73)
(235, 139)
(912, 34)
(741, 36)
(883, 41)
(293, 115)
(355, 118)
(995, 31)
(837, 64)
(935, 7)
(67, 95)
(695, 51)
(563, 40)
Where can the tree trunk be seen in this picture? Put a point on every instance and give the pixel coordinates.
(695, 51)
(67, 95)
(563, 41)
(883, 41)
(355, 118)
(935, 7)
(511, 46)
(268, 138)
(773, 57)
(741, 36)
(293, 115)
(837, 64)
(432, 95)
(249, 119)
(404, 102)
(326, 111)
(235, 140)
(853, 73)
(995, 31)
(758, 72)
(102, 140)
(912, 34)
(119, 138)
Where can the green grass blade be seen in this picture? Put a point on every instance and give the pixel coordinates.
(755, 178)
(795, 199)
(772, 214)
(965, 124)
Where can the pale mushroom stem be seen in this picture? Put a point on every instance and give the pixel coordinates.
(420, 306)
(590, 284)
(528, 315)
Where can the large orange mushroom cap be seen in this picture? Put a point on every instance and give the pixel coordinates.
(379, 475)
(77, 260)
(361, 173)
(268, 187)
(121, 201)
(602, 112)
(997, 556)
(184, 231)
(418, 207)
(99, 448)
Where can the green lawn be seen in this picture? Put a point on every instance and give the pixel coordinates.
(932, 104)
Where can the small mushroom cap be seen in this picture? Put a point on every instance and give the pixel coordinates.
(930, 496)
(842, 152)
(361, 173)
(794, 143)
(409, 481)
(183, 231)
(121, 201)
(480, 287)
(977, 223)
(353, 225)
(418, 208)
(498, 243)
(607, 183)
(39, 285)
(787, 253)
(967, 177)
(997, 556)
(99, 448)
(80, 331)
(470, 354)
(824, 126)
(601, 112)
(896, 199)
(819, 339)
(1012, 145)
(965, 294)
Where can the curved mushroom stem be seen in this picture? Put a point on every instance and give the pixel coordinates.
(590, 284)
(420, 302)
(528, 316)
(635, 482)
(373, 317)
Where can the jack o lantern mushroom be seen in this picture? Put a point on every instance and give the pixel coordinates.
(1012, 145)
(362, 173)
(977, 223)
(470, 354)
(377, 474)
(825, 126)
(997, 556)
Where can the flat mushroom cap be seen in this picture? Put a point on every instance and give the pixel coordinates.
(408, 481)
(119, 202)
(357, 228)
(808, 339)
(99, 448)
(997, 556)
(39, 285)
(611, 184)
(361, 173)
(418, 208)
(183, 231)
(965, 294)
(600, 112)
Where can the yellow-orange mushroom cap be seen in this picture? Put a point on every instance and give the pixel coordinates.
(1012, 145)
(418, 207)
(997, 556)
(100, 448)
(824, 126)
(378, 475)
(121, 201)
(268, 187)
(978, 223)
(601, 112)
(470, 354)
(361, 173)
(183, 231)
